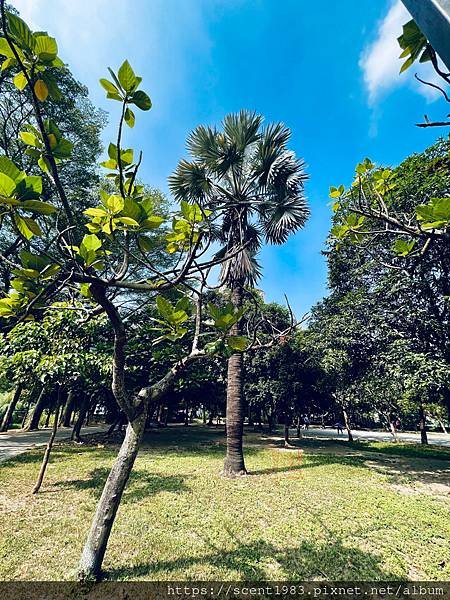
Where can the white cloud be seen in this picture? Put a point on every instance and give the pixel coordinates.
(381, 65)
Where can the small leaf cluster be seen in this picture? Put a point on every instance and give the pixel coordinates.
(20, 197)
(124, 88)
(37, 53)
(60, 147)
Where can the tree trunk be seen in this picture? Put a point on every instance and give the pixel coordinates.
(286, 434)
(97, 540)
(37, 412)
(347, 425)
(68, 409)
(10, 410)
(441, 423)
(47, 419)
(48, 449)
(186, 415)
(299, 427)
(76, 431)
(234, 465)
(423, 426)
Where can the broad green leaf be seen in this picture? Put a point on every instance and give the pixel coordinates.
(129, 117)
(27, 227)
(96, 212)
(7, 185)
(91, 243)
(141, 100)
(29, 138)
(127, 221)
(45, 47)
(109, 87)
(33, 261)
(127, 77)
(115, 203)
(20, 81)
(109, 164)
(43, 208)
(164, 307)
(5, 49)
(403, 248)
(29, 188)
(237, 342)
(20, 31)
(145, 243)
(152, 222)
(9, 168)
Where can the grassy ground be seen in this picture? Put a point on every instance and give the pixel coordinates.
(371, 511)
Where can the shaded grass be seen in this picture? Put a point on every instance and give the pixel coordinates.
(335, 510)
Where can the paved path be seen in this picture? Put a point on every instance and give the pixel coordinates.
(16, 441)
(440, 439)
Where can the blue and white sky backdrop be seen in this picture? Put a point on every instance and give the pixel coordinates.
(327, 69)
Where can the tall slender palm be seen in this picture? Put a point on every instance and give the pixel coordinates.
(248, 172)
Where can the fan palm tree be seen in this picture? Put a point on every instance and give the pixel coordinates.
(246, 171)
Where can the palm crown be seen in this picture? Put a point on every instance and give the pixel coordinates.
(247, 172)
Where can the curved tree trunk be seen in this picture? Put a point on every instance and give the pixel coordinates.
(76, 431)
(234, 465)
(68, 409)
(347, 425)
(10, 410)
(97, 540)
(48, 449)
(37, 412)
(286, 433)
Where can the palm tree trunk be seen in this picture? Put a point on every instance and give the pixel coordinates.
(10, 410)
(97, 540)
(234, 465)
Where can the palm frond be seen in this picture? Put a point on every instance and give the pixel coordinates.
(190, 182)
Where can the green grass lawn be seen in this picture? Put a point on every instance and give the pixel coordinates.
(371, 511)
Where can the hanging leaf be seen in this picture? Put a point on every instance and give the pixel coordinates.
(41, 90)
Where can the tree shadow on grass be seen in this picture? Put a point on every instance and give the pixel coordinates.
(140, 484)
(399, 464)
(255, 561)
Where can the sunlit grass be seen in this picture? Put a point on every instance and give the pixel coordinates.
(367, 511)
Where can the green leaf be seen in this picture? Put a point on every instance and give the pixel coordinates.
(5, 49)
(127, 77)
(129, 117)
(96, 212)
(109, 87)
(111, 164)
(145, 243)
(43, 208)
(141, 100)
(9, 168)
(152, 222)
(237, 342)
(20, 81)
(91, 243)
(127, 221)
(29, 188)
(7, 185)
(402, 247)
(45, 47)
(164, 307)
(33, 261)
(27, 227)
(20, 31)
(29, 138)
(115, 203)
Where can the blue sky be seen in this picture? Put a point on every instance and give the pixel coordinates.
(328, 70)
